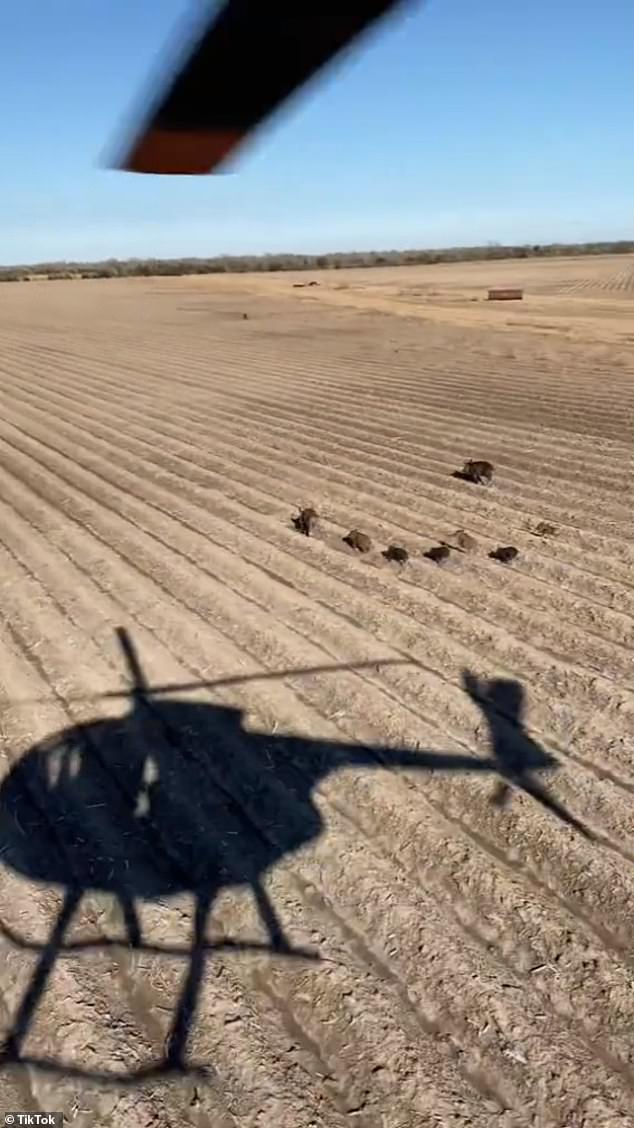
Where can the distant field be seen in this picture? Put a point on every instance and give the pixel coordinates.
(471, 918)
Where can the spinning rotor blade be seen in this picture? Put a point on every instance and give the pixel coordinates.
(248, 60)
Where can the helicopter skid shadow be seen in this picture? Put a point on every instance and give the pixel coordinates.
(179, 797)
(160, 1069)
(102, 943)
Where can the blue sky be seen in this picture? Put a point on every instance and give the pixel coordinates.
(463, 122)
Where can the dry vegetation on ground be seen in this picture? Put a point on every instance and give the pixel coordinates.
(466, 947)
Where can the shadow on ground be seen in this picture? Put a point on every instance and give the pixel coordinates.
(178, 797)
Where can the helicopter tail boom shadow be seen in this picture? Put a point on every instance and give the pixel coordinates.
(220, 808)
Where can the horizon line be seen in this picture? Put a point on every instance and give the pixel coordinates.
(490, 249)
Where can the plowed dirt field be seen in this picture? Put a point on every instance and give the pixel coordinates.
(292, 837)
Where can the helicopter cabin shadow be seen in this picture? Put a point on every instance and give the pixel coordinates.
(176, 797)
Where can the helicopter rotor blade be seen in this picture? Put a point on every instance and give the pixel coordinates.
(248, 60)
(376, 664)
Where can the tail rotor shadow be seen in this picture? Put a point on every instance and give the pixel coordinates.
(191, 802)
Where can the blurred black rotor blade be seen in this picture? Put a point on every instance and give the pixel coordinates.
(249, 59)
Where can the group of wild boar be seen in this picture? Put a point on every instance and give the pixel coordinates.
(477, 471)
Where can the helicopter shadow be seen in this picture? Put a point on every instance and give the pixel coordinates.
(177, 797)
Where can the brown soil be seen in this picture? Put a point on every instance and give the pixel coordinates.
(405, 795)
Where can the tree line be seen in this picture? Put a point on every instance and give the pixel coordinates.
(241, 264)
